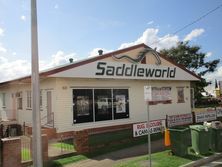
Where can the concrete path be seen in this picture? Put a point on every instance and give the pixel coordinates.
(110, 159)
(217, 163)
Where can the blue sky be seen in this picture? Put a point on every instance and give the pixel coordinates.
(77, 28)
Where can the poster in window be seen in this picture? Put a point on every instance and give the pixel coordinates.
(103, 104)
(82, 105)
(180, 95)
(156, 94)
(120, 104)
(166, 93)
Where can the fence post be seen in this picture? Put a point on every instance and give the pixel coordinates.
(81, 141)
(11, 152)
(45, 147)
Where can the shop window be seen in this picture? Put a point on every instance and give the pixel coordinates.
(180, 95)
(100, 104)
(19, 100)
(29, 99)
(103, 104)
(121, 103)
(83, 105)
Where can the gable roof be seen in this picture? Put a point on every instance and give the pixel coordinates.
(65, 67)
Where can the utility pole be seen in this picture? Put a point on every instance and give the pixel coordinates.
(36, 124)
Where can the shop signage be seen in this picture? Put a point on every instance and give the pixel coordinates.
(140, 56)
(122, 70)
(133, 70)
(182, 119)
(141, 129)
(205, 116)
(219, 111)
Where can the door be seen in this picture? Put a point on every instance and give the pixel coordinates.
(49, 107)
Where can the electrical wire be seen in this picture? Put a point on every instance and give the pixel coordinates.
(193, 22)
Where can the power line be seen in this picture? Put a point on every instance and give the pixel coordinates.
(193, 22)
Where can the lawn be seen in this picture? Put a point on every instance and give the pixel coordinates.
(26, 154)
(64, 146)
(160, 159)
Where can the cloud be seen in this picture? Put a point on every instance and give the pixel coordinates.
(150, 22)
(209, 54)
(56, 6)
(1, 32)
(94, 52)
(23, 18)
(58, 58)
(193, 34)
(150, 37)
(18, 68)
(2, 49)
(13, 69)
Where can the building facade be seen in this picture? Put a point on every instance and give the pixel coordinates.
(102, 91)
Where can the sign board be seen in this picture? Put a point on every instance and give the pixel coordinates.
(147, 93)
(141, 129)
(182, 119)
(119, 70)
(219, 111)
(205, 116)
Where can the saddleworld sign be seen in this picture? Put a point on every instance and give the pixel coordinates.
(134, 70)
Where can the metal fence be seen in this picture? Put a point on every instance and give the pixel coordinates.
(26, 148)
(63, 145)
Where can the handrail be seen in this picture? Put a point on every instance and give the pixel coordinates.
(48, 122)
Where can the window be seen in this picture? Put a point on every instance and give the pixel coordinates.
(180, 95)
(29, 99)
(19, 100)
(103, 104)
(3, 100)
(121, 103)
(92, 105)
(82, 105)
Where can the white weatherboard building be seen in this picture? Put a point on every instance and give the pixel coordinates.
(102, 91)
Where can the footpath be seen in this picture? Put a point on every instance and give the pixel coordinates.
(110, 159)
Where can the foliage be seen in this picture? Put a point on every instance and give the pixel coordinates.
(194, 60)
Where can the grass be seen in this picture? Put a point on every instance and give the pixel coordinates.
(75, 158)
(160, 159)
(26, 154)
(65, 146)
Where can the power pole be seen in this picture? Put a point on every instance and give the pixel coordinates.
(36, 125)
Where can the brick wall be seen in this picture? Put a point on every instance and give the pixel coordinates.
(11, 152)
(81, 141)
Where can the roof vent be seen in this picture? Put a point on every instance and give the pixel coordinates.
(100, 52)
(71, 60)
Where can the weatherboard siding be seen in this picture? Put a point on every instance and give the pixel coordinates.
(137, 106)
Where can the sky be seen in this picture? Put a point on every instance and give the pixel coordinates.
(79, 28)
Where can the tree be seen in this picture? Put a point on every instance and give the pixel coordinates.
(194, 60)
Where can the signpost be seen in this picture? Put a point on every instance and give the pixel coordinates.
(147, 98)
(36, 125)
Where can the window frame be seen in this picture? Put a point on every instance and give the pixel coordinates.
(180, 97)
(28, 99)
(93, 110)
